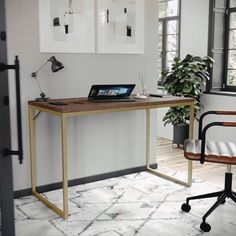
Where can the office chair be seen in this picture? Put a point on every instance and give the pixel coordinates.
(210, 151)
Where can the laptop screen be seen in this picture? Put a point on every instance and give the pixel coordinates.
(111, 91)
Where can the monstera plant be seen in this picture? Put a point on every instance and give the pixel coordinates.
(185, 78)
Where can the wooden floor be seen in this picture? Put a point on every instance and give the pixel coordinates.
(170, 156)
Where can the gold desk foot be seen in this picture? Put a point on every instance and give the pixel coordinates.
(167, 177)
(50, 205)
(187, 183)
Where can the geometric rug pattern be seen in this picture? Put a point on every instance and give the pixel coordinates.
(139, 204)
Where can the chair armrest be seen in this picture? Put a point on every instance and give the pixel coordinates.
(225, 124)
(225, 112)
(231, 124)
(211, 113)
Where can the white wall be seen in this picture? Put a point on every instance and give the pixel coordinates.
(194, 27)
(99, 143)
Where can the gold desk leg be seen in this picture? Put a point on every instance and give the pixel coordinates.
(147, 138)
(32, 147)
(191, 127)
(39, 196)
(64, 165)
(156, 172)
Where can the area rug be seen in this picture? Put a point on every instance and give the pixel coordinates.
(140, 204)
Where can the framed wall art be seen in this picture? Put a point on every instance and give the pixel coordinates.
(120, 26)
(67, 26)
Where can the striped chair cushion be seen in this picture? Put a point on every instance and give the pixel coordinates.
(218, 152)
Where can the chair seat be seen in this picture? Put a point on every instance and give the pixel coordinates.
(215, 151)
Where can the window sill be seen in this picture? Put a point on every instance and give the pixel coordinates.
(221, 93)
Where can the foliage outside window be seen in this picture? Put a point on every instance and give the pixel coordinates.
(169, 31)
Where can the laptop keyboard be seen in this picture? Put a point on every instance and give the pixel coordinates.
(114, 100)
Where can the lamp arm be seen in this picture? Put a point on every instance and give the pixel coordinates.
(34, 74)
(38, 84)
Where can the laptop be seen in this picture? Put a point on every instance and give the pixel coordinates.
(111, 93)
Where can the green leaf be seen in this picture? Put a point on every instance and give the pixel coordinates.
(187, 88)
(197, 58)
(186, 78)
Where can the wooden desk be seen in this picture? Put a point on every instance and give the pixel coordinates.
(81, 106)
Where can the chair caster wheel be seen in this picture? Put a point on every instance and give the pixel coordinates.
(185, 207)
(205, 227)
(223, 201)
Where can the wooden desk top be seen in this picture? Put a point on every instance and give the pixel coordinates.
(77, 105)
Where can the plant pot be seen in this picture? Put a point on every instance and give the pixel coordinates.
(181, 132)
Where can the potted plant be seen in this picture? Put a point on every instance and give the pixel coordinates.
(185, 78)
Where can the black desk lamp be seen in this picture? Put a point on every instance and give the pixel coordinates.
(55, 66)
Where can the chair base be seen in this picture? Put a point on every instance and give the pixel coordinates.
(221, 196)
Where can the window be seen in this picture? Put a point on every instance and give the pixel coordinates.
(169, 30)
(222, 45)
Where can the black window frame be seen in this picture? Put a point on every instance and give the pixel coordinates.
(224, 87)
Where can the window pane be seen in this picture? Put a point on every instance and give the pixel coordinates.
(232, 3)
(172, 27)
(171, 43)
(232, 20)
(232, 59)
(231, 78)
(159, 47)
(168, 42)
(162, 10)
(220, 3)
(217, 73)
(159, 59)
(160, 28)
(170, 58)
(219, 30)
(159, 75)
(172, 8)
(232, 39)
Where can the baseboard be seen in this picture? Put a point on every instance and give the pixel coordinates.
(84, 180)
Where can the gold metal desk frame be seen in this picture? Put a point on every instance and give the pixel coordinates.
(81, 106)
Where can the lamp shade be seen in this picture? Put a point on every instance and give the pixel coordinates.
(55, 64)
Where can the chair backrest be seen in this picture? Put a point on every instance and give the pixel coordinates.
(203, 150)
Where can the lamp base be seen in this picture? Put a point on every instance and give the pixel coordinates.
(41, 99)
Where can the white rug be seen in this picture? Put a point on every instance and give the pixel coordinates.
(139, 204)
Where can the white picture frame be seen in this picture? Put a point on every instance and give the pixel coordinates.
(120, 26)
(67, 26)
